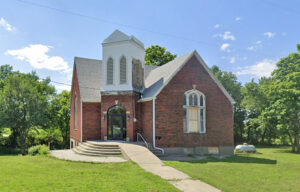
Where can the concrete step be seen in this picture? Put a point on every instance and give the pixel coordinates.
(109, 146)
(157, 153)
(85, 148)
(88, 145)
(100, 154)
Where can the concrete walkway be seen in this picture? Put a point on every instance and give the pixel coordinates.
(148, 161)
(72, 156)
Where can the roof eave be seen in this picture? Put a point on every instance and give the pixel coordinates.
(214, 78)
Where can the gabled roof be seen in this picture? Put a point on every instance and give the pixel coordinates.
(89, 78)
(118, 36)
(148, 69)
(159, 77)
(156, 78)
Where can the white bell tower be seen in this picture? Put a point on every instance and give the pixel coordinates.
(122, 63)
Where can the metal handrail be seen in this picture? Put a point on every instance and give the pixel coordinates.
(140, 135)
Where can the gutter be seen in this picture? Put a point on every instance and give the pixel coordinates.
(80, 121)
(153, 126)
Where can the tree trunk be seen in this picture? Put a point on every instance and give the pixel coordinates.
(13, 138)
(263, 136)
(297, 146)
(291, 140)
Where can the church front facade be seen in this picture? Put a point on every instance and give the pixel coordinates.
(179, 107)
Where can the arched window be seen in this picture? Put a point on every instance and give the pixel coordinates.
(75, 113)
(194, 112)
(123, 70)
(110, 72)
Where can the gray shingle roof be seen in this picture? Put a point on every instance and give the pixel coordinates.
(89, 78)
(148, 69)
(160, 76)
(117, 36)
(156, 78)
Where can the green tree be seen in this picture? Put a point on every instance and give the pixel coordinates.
(230, 83)
(5, 71)
(260, 121)
(284, 92)
(60, 115)
(24, 104)
(157, 55)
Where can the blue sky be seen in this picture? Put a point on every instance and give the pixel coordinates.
(245, 37)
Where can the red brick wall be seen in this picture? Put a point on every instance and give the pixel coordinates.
(128, 102)
(91, 121)
(169, 110)
(146, 121)
(75, 132)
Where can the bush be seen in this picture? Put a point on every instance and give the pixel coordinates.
(38, 150)
(51, 137)
(9, 151)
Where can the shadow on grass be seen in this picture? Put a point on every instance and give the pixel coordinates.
(4, 151)
(236, 159)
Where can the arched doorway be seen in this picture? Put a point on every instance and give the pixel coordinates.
(116, 123)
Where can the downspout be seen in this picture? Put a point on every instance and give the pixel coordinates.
(80, 121)
(153, 126)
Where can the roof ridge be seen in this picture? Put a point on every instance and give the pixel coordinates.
(76, 57)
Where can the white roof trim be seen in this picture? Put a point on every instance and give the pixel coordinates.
(169, 79)
(205, 67)
(214, 78)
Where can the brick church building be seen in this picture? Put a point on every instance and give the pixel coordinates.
(179, 107)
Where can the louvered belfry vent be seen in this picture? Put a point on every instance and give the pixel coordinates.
(110, 71)
(123, 70)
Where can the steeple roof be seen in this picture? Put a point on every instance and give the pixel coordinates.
(118, 36)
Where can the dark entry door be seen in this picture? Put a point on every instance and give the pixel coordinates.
(116, 127)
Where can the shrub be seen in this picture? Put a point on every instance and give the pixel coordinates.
(38, 150)
(51, 137)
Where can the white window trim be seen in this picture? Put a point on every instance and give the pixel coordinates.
(198, 93)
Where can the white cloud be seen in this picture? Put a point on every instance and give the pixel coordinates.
(258, 42)
(251, 48)
(256, 45)
(60, 88)
(225, 47)
(217, 26)
(228, 35)
(238, 18)
(283, 34)
(232, 60)
(36, 56)
(260, 69)
(269, 34)
(5, 24)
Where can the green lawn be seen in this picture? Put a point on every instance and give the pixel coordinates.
(18, 173)
(272, 169)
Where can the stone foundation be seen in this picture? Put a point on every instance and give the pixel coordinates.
(224, 150)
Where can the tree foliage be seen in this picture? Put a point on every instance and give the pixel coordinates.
(157, 55)
(60, 115)
(24, 104)
(284, 93)
(230, 83)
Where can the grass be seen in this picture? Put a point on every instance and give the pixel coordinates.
(271, 169)
(43, 173)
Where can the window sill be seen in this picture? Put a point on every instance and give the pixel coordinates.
(195, 133)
